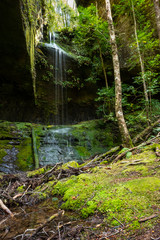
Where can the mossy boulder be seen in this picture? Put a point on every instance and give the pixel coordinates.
(73, 164)
(94, 137)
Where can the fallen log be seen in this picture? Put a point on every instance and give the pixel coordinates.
(145, 132)
(120, 156)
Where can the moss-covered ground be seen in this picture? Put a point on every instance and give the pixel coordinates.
(124, 192)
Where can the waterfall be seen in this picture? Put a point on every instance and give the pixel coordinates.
(59, 78)
(56, 145)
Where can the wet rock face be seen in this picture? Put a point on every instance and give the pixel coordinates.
(68, 104)
(16, 83)
(15, 77)
(9, 161)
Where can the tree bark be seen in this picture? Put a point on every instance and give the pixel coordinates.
(157, 14)
(141, 62)
(126, 139)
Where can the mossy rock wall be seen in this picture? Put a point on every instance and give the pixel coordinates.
(16, 152)
(15, 77)
(21, 24)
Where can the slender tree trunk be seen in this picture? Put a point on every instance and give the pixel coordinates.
(103, 67)
(141, 62)
(105, 76)
(157, 13)
(126, 140)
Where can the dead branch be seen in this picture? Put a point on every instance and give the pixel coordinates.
(5, 208)
(49, 172)
(123, 154)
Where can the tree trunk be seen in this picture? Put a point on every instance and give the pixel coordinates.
(141, 63)
(126, 140)
(157, 14)
(103, 67)
(35, 153)
(105, 76)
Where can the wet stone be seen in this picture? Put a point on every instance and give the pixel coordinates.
(8, 165)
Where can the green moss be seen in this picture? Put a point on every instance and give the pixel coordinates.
(82, 151)
(93, 137)
(89, 193)
(20, 189)
(25, 157)
(36, 172)
(73, 164)
(2, 154)
(44, 191)
(145, 156)
(138, 169)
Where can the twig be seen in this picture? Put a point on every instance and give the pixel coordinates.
(59, 233)
(59, 175)
(5, 234)
(25, 192)
(147, 218)
(112, 234)
(118, 221)
(60, 213)
(24, 234)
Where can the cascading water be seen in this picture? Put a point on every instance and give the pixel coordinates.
(59, 79)
(56, 145)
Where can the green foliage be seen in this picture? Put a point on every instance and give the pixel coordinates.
(149, 50)
(106, 97)
(60, 16)
(91, 34)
